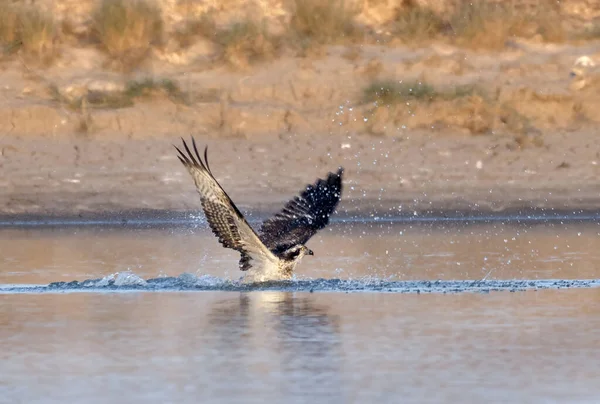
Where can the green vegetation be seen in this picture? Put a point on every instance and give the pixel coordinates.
(149, 87)
(133, 90)
(389, 92)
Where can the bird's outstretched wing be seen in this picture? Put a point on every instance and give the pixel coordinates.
(224, 218)
(304, 215)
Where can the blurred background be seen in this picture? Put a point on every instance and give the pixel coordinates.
(428, 104)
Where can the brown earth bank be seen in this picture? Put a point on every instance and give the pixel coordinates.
(383, 175)
(433, 126)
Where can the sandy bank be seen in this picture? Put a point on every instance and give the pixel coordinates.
(418, 171)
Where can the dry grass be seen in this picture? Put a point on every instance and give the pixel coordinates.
(416, 24)
(590, 31)
(241, 44)
(85, 124)
(202, 26)
(478, 25)
(9, 21)
(320, 22)
(127, 29)
(246, 42)
(490, 26)
(38, 35)
(550, 26)
(421, 105)
(28, 30)
(71, 36)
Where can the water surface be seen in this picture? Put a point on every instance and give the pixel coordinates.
(285, 346)
(401, 251)
(298, 347)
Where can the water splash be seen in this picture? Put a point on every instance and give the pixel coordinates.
(127, 278)
(129, 281)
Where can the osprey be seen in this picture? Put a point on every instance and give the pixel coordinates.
(280, 243)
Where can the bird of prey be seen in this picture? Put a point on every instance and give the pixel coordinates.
(274, 251)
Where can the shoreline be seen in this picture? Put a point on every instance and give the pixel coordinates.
(193, 218)
(388, 177)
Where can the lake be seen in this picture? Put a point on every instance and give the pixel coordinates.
(104, 346)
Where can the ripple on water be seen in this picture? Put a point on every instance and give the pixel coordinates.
(129, 281)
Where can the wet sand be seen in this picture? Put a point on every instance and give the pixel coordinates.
(419, 172)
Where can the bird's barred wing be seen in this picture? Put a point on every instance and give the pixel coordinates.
(224, 218)
(304, 215)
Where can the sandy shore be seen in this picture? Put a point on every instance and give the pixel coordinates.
(384, 176)
(530, 143)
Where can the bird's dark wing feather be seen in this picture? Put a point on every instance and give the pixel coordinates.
(224, 218)
(304, 215)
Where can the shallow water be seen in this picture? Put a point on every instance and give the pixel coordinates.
(399, 251)
(296, 346)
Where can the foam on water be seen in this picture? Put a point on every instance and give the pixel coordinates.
(120, 279)
(129, 281)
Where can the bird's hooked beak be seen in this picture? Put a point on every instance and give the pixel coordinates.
(310, 252)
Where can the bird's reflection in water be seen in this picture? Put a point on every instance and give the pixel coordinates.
(286, 337)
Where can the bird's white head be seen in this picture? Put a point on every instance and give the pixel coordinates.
(296, 252)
